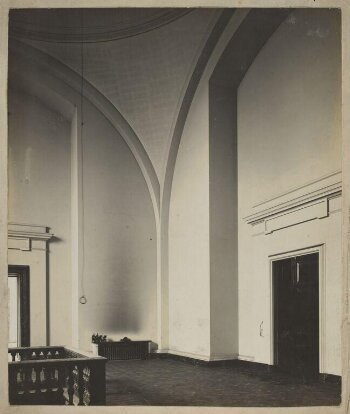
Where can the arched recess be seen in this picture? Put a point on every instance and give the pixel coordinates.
(222, 70)
(44, 72)
(58, 76)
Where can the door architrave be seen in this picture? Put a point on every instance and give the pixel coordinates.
(320, 249)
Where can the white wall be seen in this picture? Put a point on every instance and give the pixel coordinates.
(120, 239)
(289, 108)
(202, 282)
(120, 234)
(289, 132)
(223, 223)
(39, 193)
(189, 268)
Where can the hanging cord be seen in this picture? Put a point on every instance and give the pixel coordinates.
(82, 298)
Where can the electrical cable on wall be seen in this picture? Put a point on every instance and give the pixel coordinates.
(82, 298)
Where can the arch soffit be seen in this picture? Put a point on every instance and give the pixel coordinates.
(239, 53)
(66, 82)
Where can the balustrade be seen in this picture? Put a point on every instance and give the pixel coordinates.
(56, 375)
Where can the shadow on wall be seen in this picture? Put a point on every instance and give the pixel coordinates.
(125, 316)
(123, 300)
(57, 240)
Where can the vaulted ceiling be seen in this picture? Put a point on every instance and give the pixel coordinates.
(141, 60)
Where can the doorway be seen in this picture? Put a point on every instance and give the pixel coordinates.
(296, 314)
(18, 306)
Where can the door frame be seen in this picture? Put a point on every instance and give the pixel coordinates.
(22, 272)
(320, 249)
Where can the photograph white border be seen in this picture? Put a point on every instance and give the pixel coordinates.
(5, 5)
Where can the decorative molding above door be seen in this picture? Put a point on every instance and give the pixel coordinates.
(21, 236)
(297, 205)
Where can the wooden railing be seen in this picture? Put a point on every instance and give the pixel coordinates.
(54, 376)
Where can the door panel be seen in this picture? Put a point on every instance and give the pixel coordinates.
(296, 314)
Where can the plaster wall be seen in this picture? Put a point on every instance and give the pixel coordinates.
(119, 232)
(189, 267)
(289, 108)
(289, 133)
(202, 258)
(120, 239)
(223, 223)
(39, 193)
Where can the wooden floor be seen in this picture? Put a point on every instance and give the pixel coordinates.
(176, 382)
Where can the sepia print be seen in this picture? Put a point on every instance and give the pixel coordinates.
(175, 207)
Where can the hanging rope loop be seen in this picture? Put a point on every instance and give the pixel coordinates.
(83, 299)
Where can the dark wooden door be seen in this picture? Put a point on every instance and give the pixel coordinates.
(296, 314)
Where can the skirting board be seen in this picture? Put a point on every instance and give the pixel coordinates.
(200, 357)
(207, 358)
(237, 360)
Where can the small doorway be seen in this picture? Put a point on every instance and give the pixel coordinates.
(296, 314)
(18, 306)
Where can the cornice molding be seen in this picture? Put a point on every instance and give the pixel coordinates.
(29, 231)
(323, 188)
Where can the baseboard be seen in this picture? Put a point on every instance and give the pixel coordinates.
(246, 358)
(224, 357)
(189, 355)
(195, 358)
(232, 360)
(206, 358)
(160, 351)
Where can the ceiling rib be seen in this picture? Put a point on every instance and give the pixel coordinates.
(20, 28)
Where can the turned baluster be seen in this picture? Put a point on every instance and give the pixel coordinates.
(60, 383)
(45, 377)
(70, 385)
(37, 370)
(20, 377)
(27, 381)
(86, 381)
(52, 381)
(80, 385)
(48, 378)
